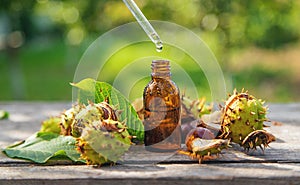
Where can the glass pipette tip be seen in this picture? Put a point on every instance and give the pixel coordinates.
(144, 23)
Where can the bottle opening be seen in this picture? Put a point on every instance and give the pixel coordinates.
(160, 68)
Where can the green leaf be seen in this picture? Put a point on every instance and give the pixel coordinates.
(43, 146)
(95, 91)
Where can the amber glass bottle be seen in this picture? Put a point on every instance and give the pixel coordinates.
(162, 110)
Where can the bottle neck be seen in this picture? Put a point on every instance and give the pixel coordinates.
(160, 69)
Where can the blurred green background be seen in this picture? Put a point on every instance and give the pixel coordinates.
(256, 42)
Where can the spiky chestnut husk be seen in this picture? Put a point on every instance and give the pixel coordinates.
(203, 149)
(99, 147)
(197, 107)
(197, 132)
(68, 117)
(201, 145)
(242, 115)
(93, 115)
(100, 137)
(102, 110)
(259, 138)
(51, 125)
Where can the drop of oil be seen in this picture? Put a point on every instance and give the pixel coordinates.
(159, 46)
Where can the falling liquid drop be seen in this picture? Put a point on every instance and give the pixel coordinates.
(159, 46)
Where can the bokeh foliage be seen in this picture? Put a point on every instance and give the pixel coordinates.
(41, 41)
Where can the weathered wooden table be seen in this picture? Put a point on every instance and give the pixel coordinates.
(279, 164)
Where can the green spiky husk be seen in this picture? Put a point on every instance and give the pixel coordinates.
(100, 137)
(92, 115)
(197, 107)
(51, 125)
(98, 147)
(242, 115)
(205, 148)
(88, 154)
(68, 117)
(259, 138)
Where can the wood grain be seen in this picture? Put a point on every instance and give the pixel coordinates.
(278, 164)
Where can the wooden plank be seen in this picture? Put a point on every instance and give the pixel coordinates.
(277, 165)
(221, 173)
(26, 119)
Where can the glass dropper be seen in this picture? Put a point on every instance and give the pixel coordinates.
(144, 23)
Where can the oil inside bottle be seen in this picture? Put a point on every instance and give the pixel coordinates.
(162, 110)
